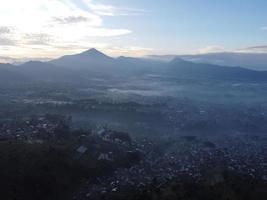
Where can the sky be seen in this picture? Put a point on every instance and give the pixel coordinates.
(45, 29)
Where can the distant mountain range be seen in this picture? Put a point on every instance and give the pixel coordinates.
(97, 62)
(9, 76)
(184, 68)
(85, 60)
(81, 67)
(255, 61)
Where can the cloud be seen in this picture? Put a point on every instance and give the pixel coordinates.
(37, 39)
(6, 38)
(31, 26)
(211, 49)
(219, 49)
(4, 41)
(108, 10)
(17, 61)
(135, 51)
(264, 28)
(253, 49)
(4, 30)
(104, 32)
(71, 19)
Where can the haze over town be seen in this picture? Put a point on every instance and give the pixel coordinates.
(136, 100)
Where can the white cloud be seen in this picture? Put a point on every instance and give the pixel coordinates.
(4, 30)
(135, 51)
(108, 10)
(211, 49)
(254, 49)
(4, 41)
(219, 49)
(41, 27)
(264, 28)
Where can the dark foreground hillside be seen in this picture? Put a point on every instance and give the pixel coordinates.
(233, 187)
(43, 158)
(43, 172)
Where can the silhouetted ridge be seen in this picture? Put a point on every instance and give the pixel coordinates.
(93, 53)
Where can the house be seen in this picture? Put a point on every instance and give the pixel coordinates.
(81, 149)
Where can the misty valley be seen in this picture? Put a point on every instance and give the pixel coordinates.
(90, 126)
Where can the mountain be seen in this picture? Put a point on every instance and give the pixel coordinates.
(138, 65)
(36, 71)
(95, 61)
(163, 58)
(186, 69)
(81, 68)
(92, 62)
(255, 61)
(45, 71)
(8, 76)
(92, 59)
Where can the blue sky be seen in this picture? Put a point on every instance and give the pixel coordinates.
(187, 25)
(50, 28)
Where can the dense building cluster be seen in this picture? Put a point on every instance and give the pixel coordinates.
(134, 164)
(189, 115)
(201, 161)
(32, 129)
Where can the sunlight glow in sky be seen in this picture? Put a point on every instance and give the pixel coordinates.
(51, 28)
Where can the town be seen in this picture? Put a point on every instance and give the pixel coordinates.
(115, 164)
